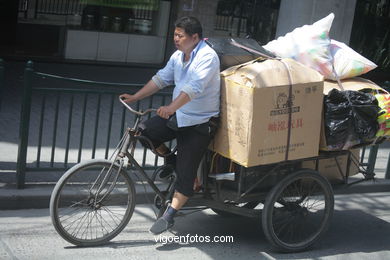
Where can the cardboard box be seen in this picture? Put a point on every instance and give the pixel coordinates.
(352, 84)
(355, 84)
(255, 112)
(329, 168)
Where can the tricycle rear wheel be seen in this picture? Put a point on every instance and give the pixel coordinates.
(297, 211)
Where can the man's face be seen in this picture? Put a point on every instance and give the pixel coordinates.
(183, 41)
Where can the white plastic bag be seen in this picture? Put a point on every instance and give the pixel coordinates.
(347, 62)
(308, 44)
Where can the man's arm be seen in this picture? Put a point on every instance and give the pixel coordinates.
(178, 102)
(149, 89)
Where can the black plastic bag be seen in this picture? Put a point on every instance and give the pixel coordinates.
(350, 118)
(230, 55)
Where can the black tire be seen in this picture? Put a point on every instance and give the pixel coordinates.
(297, 211)
(227, 214)
(84, 217)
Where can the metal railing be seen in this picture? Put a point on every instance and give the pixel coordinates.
(66, 120)
(2, 81)
(387, 173)
(256, 19)
(372, 158)
(23, 7)
(235, 25)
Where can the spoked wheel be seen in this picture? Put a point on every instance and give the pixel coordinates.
(92, 203)
(297, 211)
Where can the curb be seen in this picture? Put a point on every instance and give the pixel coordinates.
(369, 186)
(42, 202)
(37, 196)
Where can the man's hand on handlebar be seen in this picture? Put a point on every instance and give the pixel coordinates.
(127, 98)
(165, 112)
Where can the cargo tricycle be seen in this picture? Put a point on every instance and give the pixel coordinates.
(94, 200)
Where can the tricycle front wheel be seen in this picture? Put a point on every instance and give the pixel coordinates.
(297, 211)
(92, 202)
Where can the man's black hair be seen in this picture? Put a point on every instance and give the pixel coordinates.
(190, 25)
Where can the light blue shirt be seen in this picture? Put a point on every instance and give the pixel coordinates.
(198, 78)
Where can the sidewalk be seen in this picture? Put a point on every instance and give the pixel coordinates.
(38, 189)
(38, 195)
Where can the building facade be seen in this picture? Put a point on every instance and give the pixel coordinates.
(141, 31)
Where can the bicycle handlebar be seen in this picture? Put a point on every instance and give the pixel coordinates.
(140, 113)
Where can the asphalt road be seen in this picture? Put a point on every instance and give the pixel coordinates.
(360, 229)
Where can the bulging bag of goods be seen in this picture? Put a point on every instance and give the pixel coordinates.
(308, 44)
(311, 45)
(384, 115)
(341, 132)
(350, 118)
(347, 62)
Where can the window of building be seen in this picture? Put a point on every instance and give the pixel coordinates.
(131, 31)
(248, 18)
(129, 16)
